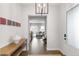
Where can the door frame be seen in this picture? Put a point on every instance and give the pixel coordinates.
(29, 27)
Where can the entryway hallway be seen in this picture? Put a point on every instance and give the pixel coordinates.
(37, 46)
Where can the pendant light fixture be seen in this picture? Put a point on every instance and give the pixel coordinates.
(41, 8)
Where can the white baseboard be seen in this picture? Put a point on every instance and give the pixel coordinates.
(53, 49)
(62, 51)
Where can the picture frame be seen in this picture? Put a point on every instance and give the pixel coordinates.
(2, 21)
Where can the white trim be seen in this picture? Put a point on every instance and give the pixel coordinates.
(73, 6)
(53, 49)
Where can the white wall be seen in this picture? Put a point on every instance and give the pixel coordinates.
(65, 47)
(52, 24)
(11, 12)
(53, 27)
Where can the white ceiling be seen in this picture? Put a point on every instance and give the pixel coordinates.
(27, 4)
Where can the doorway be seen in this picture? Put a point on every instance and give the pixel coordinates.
(37, 34)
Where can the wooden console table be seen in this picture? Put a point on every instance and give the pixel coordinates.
(13, 49)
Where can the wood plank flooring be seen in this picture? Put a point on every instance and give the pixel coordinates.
(37, 48)
(25, 53)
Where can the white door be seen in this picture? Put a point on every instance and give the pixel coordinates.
(73, 27)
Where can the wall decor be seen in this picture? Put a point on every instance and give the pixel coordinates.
(12, 23)
(15, 23)
(2, 21)
(18, 24)
(5, 21)
(9, 22)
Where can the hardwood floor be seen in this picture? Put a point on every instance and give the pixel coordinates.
(52, 53)
(37, 48)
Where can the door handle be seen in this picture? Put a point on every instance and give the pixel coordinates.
(65, 36)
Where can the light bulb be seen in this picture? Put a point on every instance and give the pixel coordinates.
(39, 5)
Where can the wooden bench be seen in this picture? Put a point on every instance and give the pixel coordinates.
(13, 49)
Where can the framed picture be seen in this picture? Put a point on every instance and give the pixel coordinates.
(14, 23)
(9, 22)
(2, 21)
(19, 25)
